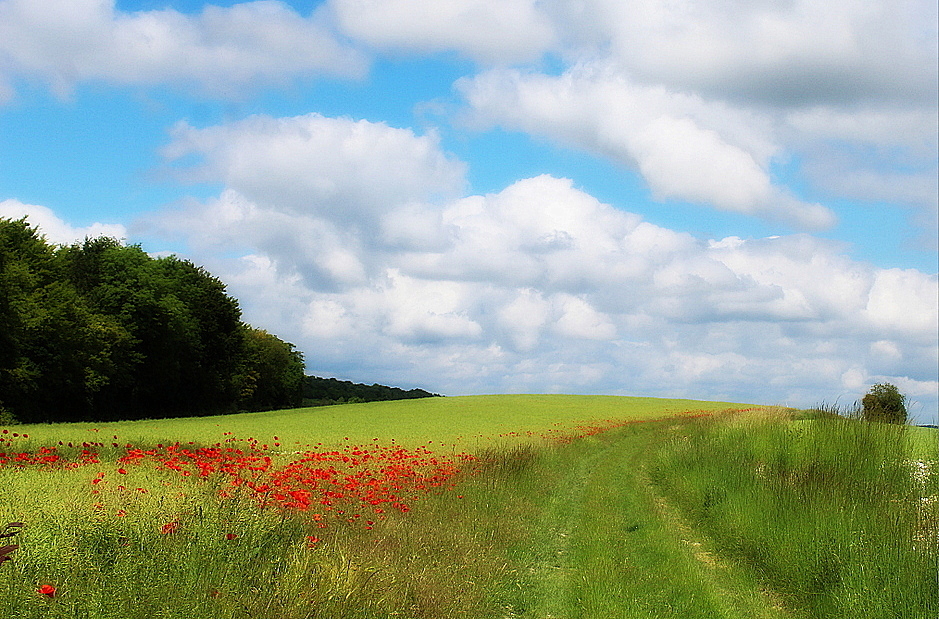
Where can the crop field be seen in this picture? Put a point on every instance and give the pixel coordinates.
(543, 507)
(468, 421)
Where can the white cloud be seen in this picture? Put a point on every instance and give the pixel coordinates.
(494, 31)
(904, 301)
(220, 51)
(777, 53)
(335, 167)
(55, 229)
(915, 130)
(538, 287)
(681, 145)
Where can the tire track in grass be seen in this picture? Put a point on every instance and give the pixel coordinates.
(607, 547)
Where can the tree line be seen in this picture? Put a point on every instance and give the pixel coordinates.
(323, 391)
(98, 330)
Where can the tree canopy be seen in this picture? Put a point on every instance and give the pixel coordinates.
(319, 391)
(99, 330)
(884, 403)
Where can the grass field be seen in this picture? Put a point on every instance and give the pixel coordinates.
(469, 512)
(470, 422)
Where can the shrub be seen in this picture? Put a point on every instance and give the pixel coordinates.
(884, 403)
(7, 418)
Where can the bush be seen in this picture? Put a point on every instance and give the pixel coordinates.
(7, 418)
(884, 403)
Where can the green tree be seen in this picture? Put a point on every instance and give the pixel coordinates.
(272, 373)
(99, 330)
(185, 330)
(884, 403)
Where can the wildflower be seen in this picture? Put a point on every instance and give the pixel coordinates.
(47, 590)
(122, 471)
(311, 541)
(230, 536)
(169, 527)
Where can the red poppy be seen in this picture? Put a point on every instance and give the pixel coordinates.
(169, 527)
(47, 590)
(230, 536)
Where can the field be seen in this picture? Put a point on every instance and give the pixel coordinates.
(545, 507)
(470, 422)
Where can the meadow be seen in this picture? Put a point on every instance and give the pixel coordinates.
(490, 506)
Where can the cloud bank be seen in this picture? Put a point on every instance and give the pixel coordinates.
(539, 287)
(363, 243)
(220, 51)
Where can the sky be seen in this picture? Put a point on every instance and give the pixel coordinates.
(712, 199)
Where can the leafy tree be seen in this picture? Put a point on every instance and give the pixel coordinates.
(884, 403)
(272, 373)
(99, 330)
(332, 391)
(185, 330)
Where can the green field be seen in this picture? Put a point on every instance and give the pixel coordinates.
(469, 422)
(501, 507)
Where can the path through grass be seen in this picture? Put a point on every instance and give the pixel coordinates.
(605, 545)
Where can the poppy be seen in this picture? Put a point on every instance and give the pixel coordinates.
(47, 590)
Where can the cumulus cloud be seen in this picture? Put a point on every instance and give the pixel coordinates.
(537, 287)
(683, 146)
(329, 166)
(776, 53)
(496, 31)
(219, 51)
(700, 98)
(55, 229)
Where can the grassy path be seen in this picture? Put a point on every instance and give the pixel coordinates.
(607, 547)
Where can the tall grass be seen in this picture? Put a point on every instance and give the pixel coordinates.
(837, 516)
(530, 530)
(182, 550)
(840, 516)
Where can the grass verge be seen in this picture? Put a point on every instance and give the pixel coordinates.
(841, 517)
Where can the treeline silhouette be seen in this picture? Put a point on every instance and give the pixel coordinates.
(325, 391)
(99, 330)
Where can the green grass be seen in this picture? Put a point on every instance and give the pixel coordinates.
(841, 517)
(470, 422)
(602, 543)
(734, 517)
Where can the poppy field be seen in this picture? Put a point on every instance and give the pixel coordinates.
(590, 507)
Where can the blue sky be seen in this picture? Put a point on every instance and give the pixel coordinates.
(477, 196)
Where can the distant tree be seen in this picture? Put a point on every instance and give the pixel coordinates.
(319, 391)
(272, 372)
(884, 403)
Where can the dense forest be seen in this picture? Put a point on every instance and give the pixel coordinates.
(321, 391)
(99, 330)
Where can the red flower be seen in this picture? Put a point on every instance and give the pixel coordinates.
(311, 540)
(47, 590)
(169, 527)
(230, 536)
